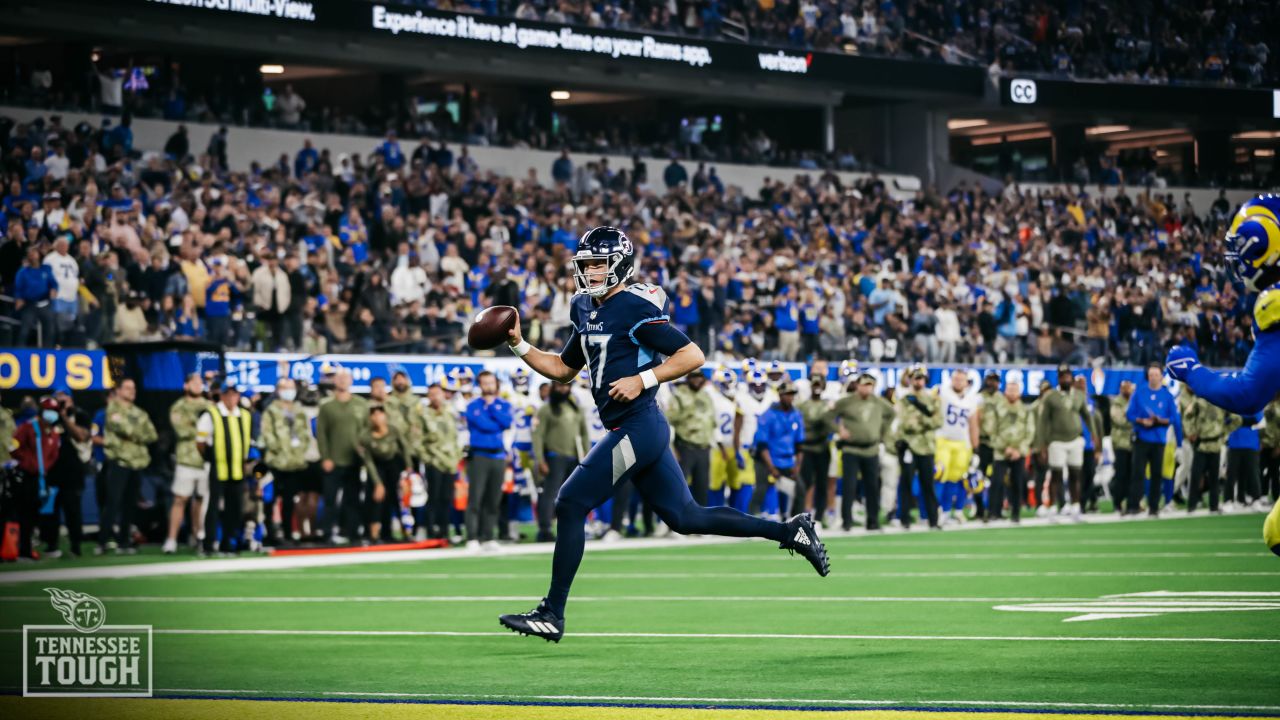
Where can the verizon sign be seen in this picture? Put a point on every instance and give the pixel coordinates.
(283, 9)
(468, 27)
(782, 62)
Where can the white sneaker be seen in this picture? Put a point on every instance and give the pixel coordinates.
(611, 536)
(340, 540)
(944, 519)
(490, 546)
(170, 546)
(1042, 511)
(420, 534)
(1261, 505)
(51, 555)
(473, 546)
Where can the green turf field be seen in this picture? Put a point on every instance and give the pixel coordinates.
(1046, 618)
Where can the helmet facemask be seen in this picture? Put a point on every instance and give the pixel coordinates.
(581, 273)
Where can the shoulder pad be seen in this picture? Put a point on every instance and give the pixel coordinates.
(1266, 310)
(651, 293)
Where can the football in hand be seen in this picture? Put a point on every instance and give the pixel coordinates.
(491, 326)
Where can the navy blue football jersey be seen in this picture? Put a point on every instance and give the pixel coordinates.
(629, 333)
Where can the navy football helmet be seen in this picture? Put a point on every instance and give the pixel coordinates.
(613, 247)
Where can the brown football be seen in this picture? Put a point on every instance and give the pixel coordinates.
(490, 328)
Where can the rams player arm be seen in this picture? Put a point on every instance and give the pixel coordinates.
(1248, 391)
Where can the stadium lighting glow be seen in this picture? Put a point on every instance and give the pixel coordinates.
(1020, 137)
(1104, 129)
(560, 95)
(1264, 152)
(962, 124)
(1257, 135)
(271, 69)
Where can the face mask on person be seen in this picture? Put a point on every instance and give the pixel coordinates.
(288, 395)
(50, 416)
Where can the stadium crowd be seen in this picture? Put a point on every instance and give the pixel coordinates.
(1163, 41)
(478, 462)
(395, 251)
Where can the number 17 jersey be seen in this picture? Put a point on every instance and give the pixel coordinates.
(623, 336)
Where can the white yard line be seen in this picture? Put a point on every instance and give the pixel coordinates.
(227, 565)
(677, 701)
(709, 636)
(708, 700)
(542, 575)
(535, 598)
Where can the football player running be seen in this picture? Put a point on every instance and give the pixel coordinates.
(623, 337)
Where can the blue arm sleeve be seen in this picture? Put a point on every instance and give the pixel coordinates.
(1248, 391)
(659, 335)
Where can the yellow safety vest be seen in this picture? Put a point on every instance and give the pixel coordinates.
(230, 440)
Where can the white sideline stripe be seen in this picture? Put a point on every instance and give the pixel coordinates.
(576, 599)
(699, 700)
(295, 576)
(709, 636)
(293, 562)
(225, 565)
(1202, 593)
(1145, 541)
(1038, 556)
(746, 557)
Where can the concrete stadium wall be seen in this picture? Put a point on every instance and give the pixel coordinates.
(1201, 198)
(245, 145)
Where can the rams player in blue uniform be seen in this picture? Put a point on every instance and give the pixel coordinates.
(1253, 254)
(621, 334)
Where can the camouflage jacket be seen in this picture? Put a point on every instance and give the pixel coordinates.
(1271, 433)
(1014, 425)
(1121, 428)
(405, 413)
(128, 434)
(440, 448)
(918, 426)
(987, 424)
(183, 416)
(7, 429)
(1207, 423)
(285, 436)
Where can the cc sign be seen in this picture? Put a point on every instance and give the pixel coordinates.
(1022, 91)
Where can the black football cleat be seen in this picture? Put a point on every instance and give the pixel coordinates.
(539, 622)
(802, 537)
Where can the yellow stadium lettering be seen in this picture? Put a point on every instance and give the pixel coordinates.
(79, 372)
(9, 371)
(45, 379)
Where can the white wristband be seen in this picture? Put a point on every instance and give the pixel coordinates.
(649, 379)
(522, 349)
